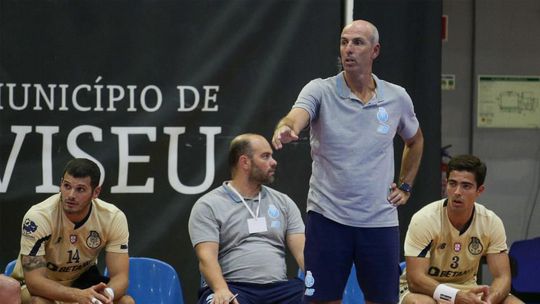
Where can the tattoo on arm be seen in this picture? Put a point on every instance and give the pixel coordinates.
(30, 263)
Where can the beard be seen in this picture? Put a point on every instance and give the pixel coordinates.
(260, 176)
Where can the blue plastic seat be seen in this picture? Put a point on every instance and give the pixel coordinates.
(525, 262)
(352, 293)
(402, 266)
(153, 281)
(9, 267)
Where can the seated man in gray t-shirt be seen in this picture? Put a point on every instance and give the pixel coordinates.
(239, 231)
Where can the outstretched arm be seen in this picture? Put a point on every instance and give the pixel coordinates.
(207, 252)
(39, 285)
(289, 127)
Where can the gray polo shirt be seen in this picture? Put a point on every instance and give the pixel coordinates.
(220, 216)
(352, 149)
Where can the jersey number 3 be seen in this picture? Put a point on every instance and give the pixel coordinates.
(455, 262)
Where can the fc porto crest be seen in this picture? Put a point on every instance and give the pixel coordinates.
(29, 227)
(382, 117)
(309, 281)
(475, 246)
(93, 240)
(273, 211)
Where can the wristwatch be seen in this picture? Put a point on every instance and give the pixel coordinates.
(405, 187)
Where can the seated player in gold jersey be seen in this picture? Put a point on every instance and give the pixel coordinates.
(446, 240)
(62, 238)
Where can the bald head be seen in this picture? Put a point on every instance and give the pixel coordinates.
(241, 145)
(363, 25)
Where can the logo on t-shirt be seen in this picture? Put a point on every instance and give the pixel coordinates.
(93, 240)
(475, 246)
(273, 211)
(29, 227)
(382, 117)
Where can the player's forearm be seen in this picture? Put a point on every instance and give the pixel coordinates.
(422, 284)
(119, 285)
(34, 268)
(499, 290)
(46, 288)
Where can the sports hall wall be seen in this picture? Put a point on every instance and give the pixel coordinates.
(495, 37)
(155, 90)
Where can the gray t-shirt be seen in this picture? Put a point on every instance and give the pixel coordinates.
(352, 149)
(220, 216)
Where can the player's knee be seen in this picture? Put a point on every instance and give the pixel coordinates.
(126, 300)
(39, 300)
(413, 298)
(11, 286)
(10, 289)
(511, 299)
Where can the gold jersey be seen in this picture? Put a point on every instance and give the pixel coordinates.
(71, 249)
(454, 256)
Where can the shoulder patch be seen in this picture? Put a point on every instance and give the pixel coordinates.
(29, 227)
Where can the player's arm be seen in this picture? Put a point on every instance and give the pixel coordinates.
(289, 127)
(34, 268)
(296, 242)
(417, 276)
(207, 253)
(420, 282)
(118, 267)
(499, 266)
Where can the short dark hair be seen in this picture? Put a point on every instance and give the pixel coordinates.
(240, 145)
(469, 163)
(82, 167)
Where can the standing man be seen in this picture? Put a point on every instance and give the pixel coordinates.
(10, 290)
(446, 240)
(240, 231)
(62, 238)
(352, 215)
